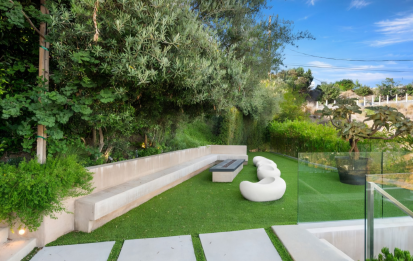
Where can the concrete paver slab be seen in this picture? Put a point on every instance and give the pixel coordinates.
(80, 252)
(16, 250)
(304, 246)
(244, 245)
(177, 248)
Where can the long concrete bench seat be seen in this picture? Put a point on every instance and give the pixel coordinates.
(94, 210)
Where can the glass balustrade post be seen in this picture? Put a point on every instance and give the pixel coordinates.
(370, 221)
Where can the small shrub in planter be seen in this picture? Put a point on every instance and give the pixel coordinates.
(399, 255)
(30, 191)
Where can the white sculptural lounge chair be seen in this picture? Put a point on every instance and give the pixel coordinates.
(268, 189)
(256, 159)
(266, 162)
(266, 171)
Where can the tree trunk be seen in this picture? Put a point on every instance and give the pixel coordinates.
(94, 136)
(354, 148)
(146, 141)
(107, 152)
(44, 74)
(101, 143)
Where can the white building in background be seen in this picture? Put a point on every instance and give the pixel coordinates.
(312, 85)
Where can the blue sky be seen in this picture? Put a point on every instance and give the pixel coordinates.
(351, 29)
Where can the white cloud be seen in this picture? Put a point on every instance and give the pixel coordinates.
(366, 77)
(395, 31)
(391, 62)
(318, 63)
(358, 4)
(311, 2)
(396, 26)
(389, 41)
(303, 18)
(370, 66)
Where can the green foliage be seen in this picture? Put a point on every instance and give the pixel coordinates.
(18, 71)
(30, 190)
(240, 25)
(193, 134)
(292, 106)
(149, 66)
(345, 84)
(399, 255)
(354, 131)
(409, 89)
(232, 128)
(388, 87)
(330, 91)
(150, 62)
(296, 79)
(291, 137)
(363, 90)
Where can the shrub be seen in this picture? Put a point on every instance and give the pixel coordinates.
(31, 190)
(291, 137)
(363, 90)
(292, 107)
(330, 91)
(409, 89)
(231, 132)
(345, 84)
(388, 87)
(399, 255)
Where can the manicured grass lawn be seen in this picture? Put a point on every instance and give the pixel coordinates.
(199, 206)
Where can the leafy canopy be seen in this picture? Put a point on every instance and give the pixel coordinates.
(355, 131)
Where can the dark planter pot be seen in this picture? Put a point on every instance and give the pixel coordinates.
(352, 171)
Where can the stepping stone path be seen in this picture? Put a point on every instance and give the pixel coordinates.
(245, 245)
(178, 248)
(81, 252)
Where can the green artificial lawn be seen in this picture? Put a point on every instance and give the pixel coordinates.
(322, 197)
(199, 206)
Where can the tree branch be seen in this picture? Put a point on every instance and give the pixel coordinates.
(383, 138)
(30, 22)
(331, 120)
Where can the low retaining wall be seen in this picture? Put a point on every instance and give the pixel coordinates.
(348, 235)
(112, 174)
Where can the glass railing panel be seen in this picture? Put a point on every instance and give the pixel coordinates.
(331, 185)
(392, 225)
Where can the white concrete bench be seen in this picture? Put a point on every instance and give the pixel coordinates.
(96, 209)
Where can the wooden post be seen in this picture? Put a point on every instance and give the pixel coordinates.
(44, 73)
(269, 36)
